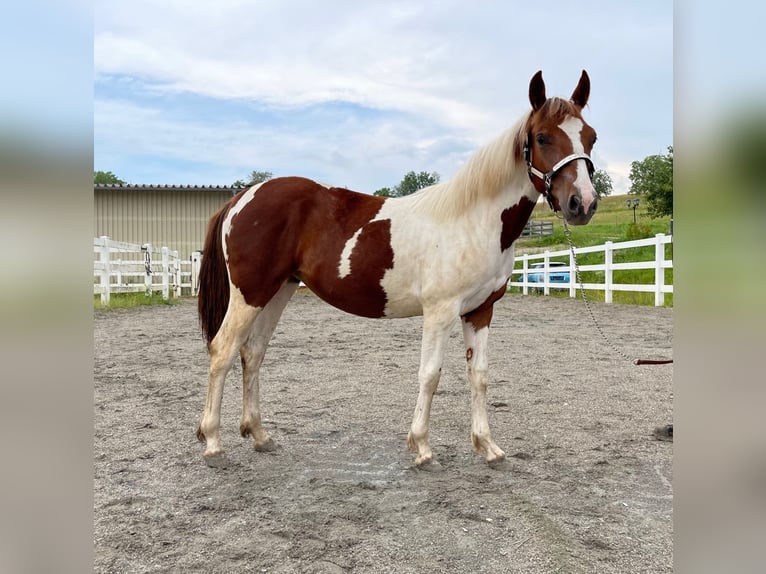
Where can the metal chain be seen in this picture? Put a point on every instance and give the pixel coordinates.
(587, 302)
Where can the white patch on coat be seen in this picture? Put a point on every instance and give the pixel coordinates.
(344, 266)
(453, 265)
(246, 198)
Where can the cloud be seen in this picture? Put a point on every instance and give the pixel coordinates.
(369, 89)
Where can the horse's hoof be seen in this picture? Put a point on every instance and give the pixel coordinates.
(216, 460)
(268, 446)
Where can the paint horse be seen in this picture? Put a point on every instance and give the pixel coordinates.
(444, 252)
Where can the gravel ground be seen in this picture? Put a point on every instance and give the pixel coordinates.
(587, 486)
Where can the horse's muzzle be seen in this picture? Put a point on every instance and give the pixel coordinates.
(578, 213)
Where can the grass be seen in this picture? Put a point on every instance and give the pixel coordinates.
(612, 222)
(130, 300)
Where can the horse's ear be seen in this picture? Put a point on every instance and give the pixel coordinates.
(537, 91)
(582, 91)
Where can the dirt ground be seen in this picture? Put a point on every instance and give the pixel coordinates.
(587, 487)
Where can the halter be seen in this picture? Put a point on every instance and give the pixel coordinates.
(548, 177)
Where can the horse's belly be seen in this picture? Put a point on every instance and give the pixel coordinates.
(364, 296)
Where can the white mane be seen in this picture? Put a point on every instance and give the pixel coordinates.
(486, 173)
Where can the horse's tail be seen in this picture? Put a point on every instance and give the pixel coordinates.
(213, 291)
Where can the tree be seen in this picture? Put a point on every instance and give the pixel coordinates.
(652, 179)
(385, 192)
(106, 177)
(602, 183)
(410, 183)
(255, 177)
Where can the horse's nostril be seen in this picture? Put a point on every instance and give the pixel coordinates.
(574, 203)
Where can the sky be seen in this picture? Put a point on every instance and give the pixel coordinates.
(357, 94)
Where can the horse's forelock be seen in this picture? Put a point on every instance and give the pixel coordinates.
(556, 110)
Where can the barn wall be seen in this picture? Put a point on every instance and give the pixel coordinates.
(175, 217)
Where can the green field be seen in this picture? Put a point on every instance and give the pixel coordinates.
(612, 222)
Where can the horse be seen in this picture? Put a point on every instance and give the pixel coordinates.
(445, 252)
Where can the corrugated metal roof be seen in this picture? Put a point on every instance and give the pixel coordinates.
(165, 187)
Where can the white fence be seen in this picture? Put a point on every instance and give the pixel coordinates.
(125, 267)
(520, 276)
(128, 268)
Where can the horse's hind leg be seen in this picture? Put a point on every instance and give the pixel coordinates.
(475, 335)
(252, 353)
(231, 335)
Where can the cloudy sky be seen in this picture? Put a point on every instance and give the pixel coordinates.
(359, 93)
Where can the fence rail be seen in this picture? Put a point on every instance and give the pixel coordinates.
(125, 267)
(120, 267)
(537, 229)
(520, 276)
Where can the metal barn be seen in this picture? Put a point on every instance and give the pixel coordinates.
(173, 216)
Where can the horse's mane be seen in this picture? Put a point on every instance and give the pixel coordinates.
(485, 174)
(489, 171)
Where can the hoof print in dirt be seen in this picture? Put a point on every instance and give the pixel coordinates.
(664, 433)
(499, 464)
(217, 460)
(432, 465)
(268, 446)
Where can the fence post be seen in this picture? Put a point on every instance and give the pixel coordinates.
(165, 273)
(659, 270)
(147, 249)
(608, 278)
(546, 273)
(176, 272)
(572, 275)
(525, 275)
(106, 269)
(196, 261)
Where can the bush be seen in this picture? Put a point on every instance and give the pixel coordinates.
(638, 231)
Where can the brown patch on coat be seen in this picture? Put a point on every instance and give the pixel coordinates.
(514, 219)
(482, 316)
(295, 228)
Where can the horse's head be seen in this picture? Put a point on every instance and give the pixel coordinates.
(557, 150)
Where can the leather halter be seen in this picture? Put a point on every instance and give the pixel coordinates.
(548, 177)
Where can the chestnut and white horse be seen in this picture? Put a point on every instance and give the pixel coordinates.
(445, 252)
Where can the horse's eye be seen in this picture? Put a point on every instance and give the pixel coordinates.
(541, 139)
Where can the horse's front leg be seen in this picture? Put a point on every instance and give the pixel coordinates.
(476, 335)
(436, 329)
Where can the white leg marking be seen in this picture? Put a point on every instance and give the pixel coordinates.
(436, 330)
(252, 353)
(223, 350)
(477, 367)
